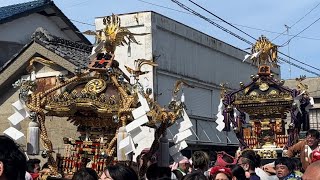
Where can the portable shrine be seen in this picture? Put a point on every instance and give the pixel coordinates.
(103, 104)
(257, 111)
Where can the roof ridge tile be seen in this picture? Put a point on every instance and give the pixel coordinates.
(44, 36)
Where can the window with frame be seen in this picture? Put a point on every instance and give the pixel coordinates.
(314, 116)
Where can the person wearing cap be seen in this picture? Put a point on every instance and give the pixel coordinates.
(220, 173)
(183, 168)
(225, 160)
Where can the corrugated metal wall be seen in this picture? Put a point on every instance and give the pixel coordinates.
(199, 108)
(190, 53)
(198, 100)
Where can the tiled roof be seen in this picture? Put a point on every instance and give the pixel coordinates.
(312, 82)
(8, 12)
(12, 12)
(76, 53)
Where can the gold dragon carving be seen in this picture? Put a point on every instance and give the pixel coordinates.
(113, 35)
(264, 52)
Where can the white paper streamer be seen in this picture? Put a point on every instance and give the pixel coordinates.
(14, 120)
(33, 76)
(178, 147)
(311, 101)
(121, 153)
(132, 79)
(182, 136)
(246, 57)
(138, 112)
(220, 117)
(137, 135)
(236, 112)
(18, 116)
(220, 126)
(137, 123)
(255, 55)
(251, 56)
(18, 105)
(179, 139)
(127, 145)
(184, 125)
(13, 133)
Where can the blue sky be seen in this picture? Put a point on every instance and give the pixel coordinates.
(254, 17)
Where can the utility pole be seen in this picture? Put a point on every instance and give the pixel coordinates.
(287, 27)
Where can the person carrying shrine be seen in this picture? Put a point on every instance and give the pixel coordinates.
(306, 148)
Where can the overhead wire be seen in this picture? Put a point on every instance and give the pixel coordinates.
(164, 7)
(297, 66)
(210, 21)
(230, 32)
(81, 22)
(235, 24)
(301, 31)
(239, 37)
(298, 61)
(273, 32)
(296, 22)
(222, 19)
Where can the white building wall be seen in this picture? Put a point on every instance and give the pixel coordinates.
(185, 53)
(127, 55)
(21, 29)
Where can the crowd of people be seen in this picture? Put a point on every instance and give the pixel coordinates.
(244, 166)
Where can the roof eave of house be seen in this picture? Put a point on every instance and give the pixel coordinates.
(49, 4)
(27, 12)
(25, 54)
(69, 23)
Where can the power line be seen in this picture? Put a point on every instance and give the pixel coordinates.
(81, 22)
(297, 21)
(307, 70)
(211, 22)
(264, 30)
(237, 36)
(299, 61)
(222, 19)
(235, 24)
(165, 7)
(301, 31)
